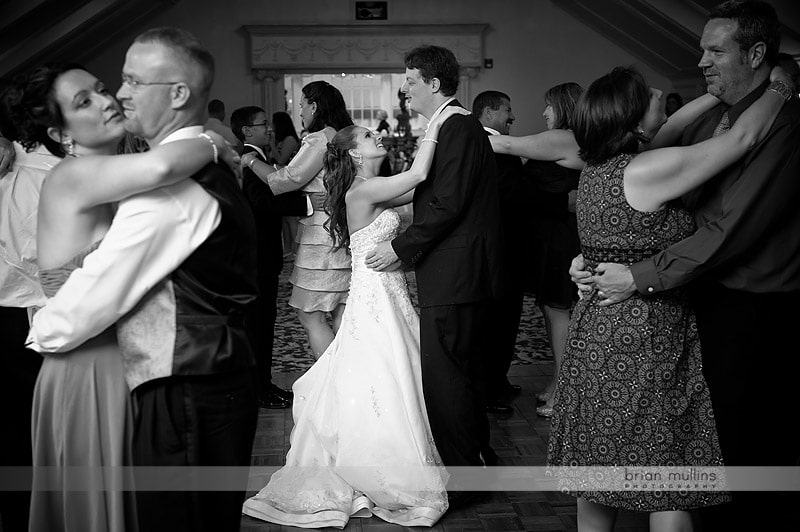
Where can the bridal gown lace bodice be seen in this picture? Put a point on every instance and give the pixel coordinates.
(361, 444)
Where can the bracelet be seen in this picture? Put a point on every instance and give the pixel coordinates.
(781, 89)
(430, 140)
(252, 162)
(213, 146)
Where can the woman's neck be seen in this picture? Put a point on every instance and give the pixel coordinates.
(110, 149)
(370, 168)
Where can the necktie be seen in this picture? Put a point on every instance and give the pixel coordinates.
(724, 124)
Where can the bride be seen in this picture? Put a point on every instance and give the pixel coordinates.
(361, 444)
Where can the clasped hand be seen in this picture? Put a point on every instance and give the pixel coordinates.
(611, 282)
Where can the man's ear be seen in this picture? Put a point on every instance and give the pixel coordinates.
(246, 132)
(435, 84)
(757, 54)
(180, 93)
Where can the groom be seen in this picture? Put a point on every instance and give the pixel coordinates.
(454, 246)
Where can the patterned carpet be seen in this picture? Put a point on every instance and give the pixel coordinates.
(292, 354)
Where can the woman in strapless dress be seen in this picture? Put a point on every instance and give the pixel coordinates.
(82, 422)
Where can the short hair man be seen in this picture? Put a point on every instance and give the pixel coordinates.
(744, 262)
(454, 245)
(493, 110)
(185, 257)
(250, 125)
(215, 122)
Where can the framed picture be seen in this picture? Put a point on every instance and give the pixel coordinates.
(371, 11)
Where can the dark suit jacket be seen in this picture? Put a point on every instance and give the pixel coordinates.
(269, 210)
(454, 241)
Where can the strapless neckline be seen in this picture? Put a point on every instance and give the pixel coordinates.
(370, 224)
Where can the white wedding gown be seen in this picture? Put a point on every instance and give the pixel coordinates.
(361, 444)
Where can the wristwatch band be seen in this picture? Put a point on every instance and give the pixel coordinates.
(781, 89)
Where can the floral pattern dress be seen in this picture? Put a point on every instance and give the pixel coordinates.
(631, 391)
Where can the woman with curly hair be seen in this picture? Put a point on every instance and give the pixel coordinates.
(321, 274)
(81, 404)
(361, 442)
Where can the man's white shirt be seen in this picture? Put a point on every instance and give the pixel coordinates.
(152, 233)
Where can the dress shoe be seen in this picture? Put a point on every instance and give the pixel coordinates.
(273, 400)
(544, 411)
(497, 407)
(286, 394)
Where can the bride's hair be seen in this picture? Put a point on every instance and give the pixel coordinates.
(340, 171)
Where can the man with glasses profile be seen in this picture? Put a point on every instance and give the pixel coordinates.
(251, 127)
(177, 272)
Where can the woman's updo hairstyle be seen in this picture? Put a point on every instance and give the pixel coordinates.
(340, 171)
(33, 108)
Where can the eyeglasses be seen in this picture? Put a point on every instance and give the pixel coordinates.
(264, 123)
(135, 84)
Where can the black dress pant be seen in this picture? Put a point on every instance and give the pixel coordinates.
(504, 327)
(751, 363)
(261, 319)
(453, 347)
(194, 421)
(19, 368)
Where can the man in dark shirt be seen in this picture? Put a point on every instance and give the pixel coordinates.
(744, 262)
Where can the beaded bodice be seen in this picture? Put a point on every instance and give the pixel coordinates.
(385, 226)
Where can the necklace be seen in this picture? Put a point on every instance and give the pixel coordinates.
(361, 177)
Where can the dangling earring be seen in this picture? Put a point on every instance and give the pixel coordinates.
(68, 146)
(359, 159)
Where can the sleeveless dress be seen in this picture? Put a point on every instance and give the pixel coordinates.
(81, 417)
(553, 238)
(631, 391)
(321, 274)
(361, 444)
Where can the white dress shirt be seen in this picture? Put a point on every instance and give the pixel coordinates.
(439, 111)
(150, 236)
(19, 207)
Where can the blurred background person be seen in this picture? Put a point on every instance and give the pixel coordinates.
(284, 144)
(673, 103)
(383, 126)
(216, 123)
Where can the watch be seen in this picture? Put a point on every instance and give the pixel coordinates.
(781, 89)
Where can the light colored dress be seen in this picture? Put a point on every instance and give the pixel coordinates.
(82, 430)
(321, 275)
(361, 444)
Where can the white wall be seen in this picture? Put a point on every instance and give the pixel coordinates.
(534, 44)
